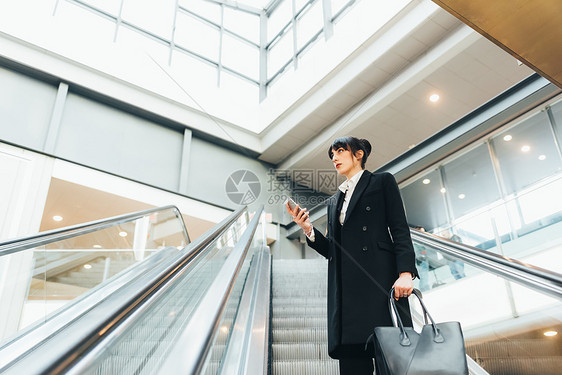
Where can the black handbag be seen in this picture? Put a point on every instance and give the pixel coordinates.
(437, 350)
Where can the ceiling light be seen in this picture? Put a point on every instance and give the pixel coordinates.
(411, 146)
(97, 246)
(550, 333)
(123, 234)
(433, 98)
(462, 196)
(507, 138)
(224, 329)
(57, 218)
(525, 148)
(87, 266)
(426, 181)
(542, 157)
(443, 190)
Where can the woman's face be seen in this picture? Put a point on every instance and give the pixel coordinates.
(344, 161)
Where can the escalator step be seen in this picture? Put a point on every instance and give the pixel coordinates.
(298, 322)
(308, 367)
(311, 335)
(300, 351)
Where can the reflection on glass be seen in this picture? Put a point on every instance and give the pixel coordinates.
(143, 346)
(470, 181)
(197, 36)
(503, 322)
(309, 23)
(49, 277)
(424, 202)
(529, 156)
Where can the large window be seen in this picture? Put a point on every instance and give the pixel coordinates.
(470, 181)
(527, 153)
(503, 194)
(424, 200)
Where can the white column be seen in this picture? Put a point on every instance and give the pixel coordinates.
(25, 177)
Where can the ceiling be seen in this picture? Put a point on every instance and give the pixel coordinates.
(78, 204)
(388, 101)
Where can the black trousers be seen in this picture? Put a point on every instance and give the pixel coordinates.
(364, 366)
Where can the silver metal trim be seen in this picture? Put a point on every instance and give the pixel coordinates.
(189, 353)
(536, 278)
(43, 238)
(66, 339)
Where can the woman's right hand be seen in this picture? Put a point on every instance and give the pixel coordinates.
(300, 216)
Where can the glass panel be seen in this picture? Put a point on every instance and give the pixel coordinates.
(109, 6)
(144, 345)
(280, 54)
(132, 39)
(279, 19)
(203, 8)
(504, 323)
(197, 36)
(424, 201)
(156, 17)
(527, 227)
(557, 114)
(242, 88)
(470, 181)
(80, 22)
(49, 277)
(214, 361)
(527, 153)
(244, 24)
(338, 5)
(240, 57)
(310, 23)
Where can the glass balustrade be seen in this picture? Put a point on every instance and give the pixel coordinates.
(38, 281)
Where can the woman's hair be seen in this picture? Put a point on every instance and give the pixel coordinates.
(352, 144)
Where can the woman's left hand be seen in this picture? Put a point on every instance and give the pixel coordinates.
(404, 286)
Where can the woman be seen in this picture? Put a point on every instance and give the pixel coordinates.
(369, 250)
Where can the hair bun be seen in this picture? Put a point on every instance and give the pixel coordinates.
(367, 146)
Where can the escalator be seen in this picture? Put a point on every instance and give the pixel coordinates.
(220, 305)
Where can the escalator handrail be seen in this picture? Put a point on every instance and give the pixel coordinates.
(23, 243)
(82, 332)
(199, 333)
(535, 277)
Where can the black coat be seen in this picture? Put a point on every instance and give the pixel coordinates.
(374, 248)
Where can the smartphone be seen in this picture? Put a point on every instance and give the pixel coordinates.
(292, 203)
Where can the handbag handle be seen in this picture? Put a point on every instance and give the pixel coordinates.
(404, 339)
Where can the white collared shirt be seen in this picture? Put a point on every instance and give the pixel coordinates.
(349, 186)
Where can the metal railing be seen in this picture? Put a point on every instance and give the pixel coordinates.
(63, 342)
(43, 238)
(536, 278)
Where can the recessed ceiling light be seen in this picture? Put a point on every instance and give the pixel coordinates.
(57, 218)
(462, 196)
(433, 98)
(224, 329)
(87, 266)
(550, 333)
(426, 181)
(411, 146)
(443, 190)
(97, 246)
(123, 234)
(507, 138)
(542, 157)
(525, 148)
